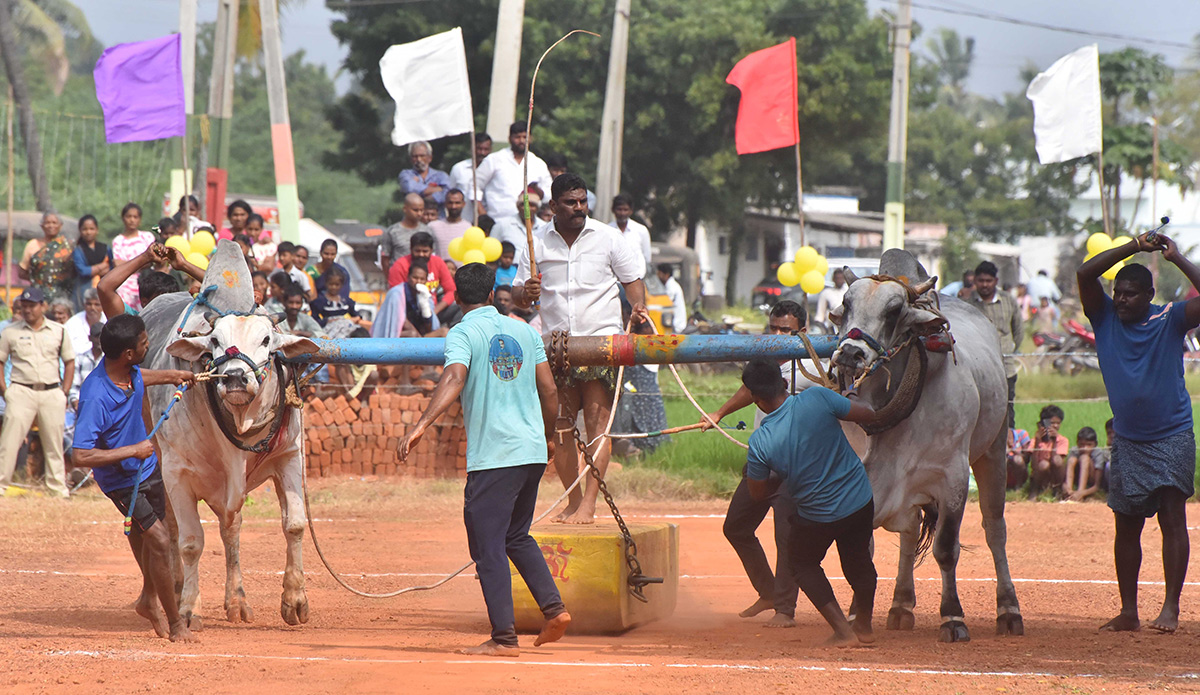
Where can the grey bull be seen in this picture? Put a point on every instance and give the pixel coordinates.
(228, 436)
(940, 414)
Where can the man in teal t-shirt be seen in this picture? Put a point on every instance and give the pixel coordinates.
(499, 366)
(801, 441)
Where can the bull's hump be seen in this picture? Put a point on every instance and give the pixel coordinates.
(228, 272)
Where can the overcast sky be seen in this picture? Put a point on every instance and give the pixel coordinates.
(1001, 48)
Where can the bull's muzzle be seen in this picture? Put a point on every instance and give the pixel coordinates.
(850, 357)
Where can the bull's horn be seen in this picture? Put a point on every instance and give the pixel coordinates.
(922, 287)
(851, 278)
(211, 316)
(278, 318)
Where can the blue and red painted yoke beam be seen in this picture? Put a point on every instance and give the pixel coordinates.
(616, 350)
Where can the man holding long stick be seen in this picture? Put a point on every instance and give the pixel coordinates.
(582, 262)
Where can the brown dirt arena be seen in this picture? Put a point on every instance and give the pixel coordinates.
(67, 581)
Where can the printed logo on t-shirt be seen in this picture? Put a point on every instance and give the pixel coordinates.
(506, 358)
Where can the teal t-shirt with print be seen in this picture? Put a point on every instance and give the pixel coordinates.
(501, 409)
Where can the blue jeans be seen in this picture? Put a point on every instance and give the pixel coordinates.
(498, 508)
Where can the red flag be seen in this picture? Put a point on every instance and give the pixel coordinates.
(767, 117)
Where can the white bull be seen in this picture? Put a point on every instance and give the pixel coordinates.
(939, 420)
(205, 443)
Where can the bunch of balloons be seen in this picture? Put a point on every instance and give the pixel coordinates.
(197, 250)
(1099, 243)
(474, 246)
(807, 270)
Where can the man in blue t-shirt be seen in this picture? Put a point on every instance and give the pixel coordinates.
(111, 439)
(801, 441)
(509, 401)
(1140, 349)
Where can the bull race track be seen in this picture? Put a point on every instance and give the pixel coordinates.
(67, 582)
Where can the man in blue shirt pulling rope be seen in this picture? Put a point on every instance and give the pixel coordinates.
(111, 439)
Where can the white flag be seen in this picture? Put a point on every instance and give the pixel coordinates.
(1066, 107)
(428, 80)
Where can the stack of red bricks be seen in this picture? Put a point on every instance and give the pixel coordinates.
(346, 436)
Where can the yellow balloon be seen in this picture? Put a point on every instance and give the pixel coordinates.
(806, 259)
(474, 256)
(1099, 243)
(473, 238)
(203, 242)
(812, 282)
(492, 248)
(1118, 241)
(1111, 273)
(456, 248)
(822, 265)
(180, 244)
(787, 275)
(198, 259)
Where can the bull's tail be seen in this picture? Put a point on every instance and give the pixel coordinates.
(929, 518)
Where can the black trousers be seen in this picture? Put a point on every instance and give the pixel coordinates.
(741, 522)
(1012, 397)
(498, 508)
(811, 540)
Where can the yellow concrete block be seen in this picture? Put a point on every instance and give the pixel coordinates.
(588, 565)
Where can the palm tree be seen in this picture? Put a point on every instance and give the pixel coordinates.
(47, 24)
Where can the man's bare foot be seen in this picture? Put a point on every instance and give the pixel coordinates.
(554, 629)
(781, 620)
(490, 648)
(1122, 623)
(862, 628)
(840, 639)
(585, 514)
(181, 633)
(755, 608)
(561, 517)
(1167, 621)
(148, 608)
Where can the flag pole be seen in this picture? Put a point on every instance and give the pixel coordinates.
(474, 180)
(1103, 197)
(8, 243)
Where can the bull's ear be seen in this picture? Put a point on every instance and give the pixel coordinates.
(294, 346)
(189, 349)
(923, 322)
(835, 315)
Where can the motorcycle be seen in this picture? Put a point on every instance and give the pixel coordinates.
(1071, 353)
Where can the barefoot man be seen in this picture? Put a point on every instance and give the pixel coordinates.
(801, 442)
(499, 366)
(110, 438)
(1140, 348)
(583, 262)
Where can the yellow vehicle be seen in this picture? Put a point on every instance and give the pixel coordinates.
(685, 267)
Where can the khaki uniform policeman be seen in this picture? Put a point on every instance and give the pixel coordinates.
(38, 390)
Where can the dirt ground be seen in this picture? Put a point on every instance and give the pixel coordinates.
(67, 581)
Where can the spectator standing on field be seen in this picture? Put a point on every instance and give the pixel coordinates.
(501, 175)
(461, 177)
(1001, 309)
(423, 179)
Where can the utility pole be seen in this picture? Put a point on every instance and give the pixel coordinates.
(506, 67)
(612, 122)
(286, 196)
(187, 31)
(893, 210)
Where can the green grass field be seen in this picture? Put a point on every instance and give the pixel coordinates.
(696, 466)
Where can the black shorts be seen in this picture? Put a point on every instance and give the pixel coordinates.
(151, 505)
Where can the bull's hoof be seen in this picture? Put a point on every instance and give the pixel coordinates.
(954, 631)
(1010, 624)
(238, 610)
(900, 619)
(194, 623)
(294, 608)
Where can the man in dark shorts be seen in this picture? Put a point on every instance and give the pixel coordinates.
(111, 439)
(801, 442)
(1140, 349)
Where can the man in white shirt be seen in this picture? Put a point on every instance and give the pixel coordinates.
(462, 178)
(512, 229)
(679, 312)
(831, 297)
(501, 176)
(80, 325)
(634, 231)
(581, 262)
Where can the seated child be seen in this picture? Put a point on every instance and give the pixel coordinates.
(1085, 466)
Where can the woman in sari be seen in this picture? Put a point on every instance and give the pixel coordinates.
(47, 263)
(126, 246)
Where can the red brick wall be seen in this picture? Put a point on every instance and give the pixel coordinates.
(348, 437)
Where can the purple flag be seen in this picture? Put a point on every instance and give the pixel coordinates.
(140, 88)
